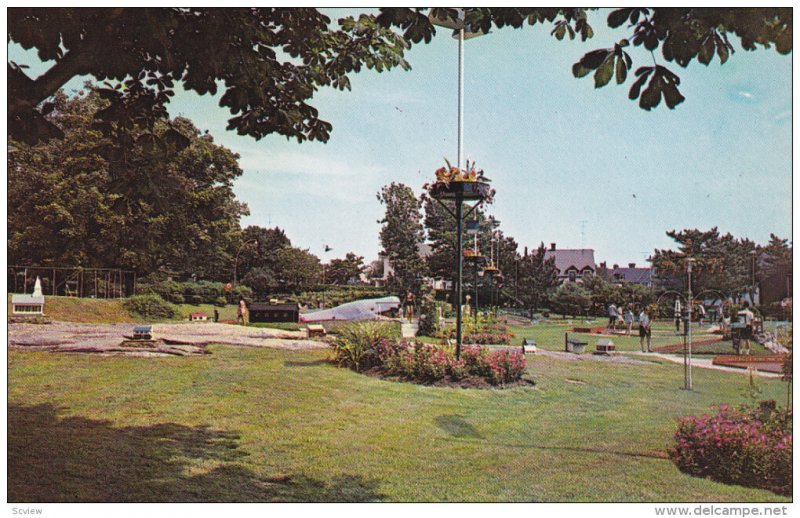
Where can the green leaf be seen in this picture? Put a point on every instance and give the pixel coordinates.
(604, 72)
(652, 94)
(622, 70)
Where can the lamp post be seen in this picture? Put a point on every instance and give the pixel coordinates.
(236, 261)
(753, 255)
(689, 303)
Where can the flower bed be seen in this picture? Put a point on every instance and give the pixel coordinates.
(423, 363)
(750, 447)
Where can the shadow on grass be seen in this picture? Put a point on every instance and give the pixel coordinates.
(457, 426)
(76, 459)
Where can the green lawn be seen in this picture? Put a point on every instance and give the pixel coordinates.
(550, 336)
(246, 424)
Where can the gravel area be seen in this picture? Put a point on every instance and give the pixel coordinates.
(107, 338)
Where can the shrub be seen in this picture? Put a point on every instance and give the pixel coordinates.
(355, 345)
(150, 306)
(750, 447)
(428, 317)
(220, 301)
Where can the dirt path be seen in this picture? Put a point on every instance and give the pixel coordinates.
(107, 337)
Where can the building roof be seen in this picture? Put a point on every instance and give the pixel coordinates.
(580, 258)
(27, 299)
(634, 275)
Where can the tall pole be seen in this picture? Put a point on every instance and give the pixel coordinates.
(689, 324)
(460, 96)
(459, 268)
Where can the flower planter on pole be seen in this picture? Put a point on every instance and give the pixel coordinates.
(460, 186)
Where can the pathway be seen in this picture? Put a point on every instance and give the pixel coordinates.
(409, 329)
(703, 363)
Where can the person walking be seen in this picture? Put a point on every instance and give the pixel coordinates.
(645, 331)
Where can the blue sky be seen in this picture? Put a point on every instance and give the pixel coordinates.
(572, 165)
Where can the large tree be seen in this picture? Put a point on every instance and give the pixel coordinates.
(401, 235)
(723, 263)
(344, 271)
(270, 62)
(159, 210)
(537, 278)
(682, 34)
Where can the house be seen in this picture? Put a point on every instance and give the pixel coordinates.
(572, 263)
(423, 250)
(627, 275)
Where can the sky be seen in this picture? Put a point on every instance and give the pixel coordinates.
(578, 166)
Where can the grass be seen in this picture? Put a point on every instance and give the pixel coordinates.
(246, 424)
(550, 336)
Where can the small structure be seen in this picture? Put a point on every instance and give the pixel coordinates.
(263, 312)
(315, 330)
(33, 305)
(143, 333)
(573, 345)
(198, 317)
(528, 346)
(604, 346)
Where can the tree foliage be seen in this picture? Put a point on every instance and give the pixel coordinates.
(723, 262)
(344, 271)
(158, 210)
(270, 62)
(538, 277)
(401, 235)
(682, 34)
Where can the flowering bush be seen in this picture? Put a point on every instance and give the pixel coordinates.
(429, 364)
(750, 447)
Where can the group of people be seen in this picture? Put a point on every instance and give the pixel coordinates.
(626, 316)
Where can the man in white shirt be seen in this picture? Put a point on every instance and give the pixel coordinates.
(746, 317)
(644, 329)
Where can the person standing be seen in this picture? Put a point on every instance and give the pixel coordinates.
(242, 312)
(701, 314)
(628, 319)
(746, 317)
(613, 314)
(408, 305)
(645, 331)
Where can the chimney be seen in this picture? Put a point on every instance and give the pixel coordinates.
(603, 266)
(631, 265)
(616, 267)
(526, 251)
(552, 246)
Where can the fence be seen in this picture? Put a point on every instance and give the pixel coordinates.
(101, 283)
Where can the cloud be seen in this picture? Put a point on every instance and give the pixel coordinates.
(306, 164)
(745, 94)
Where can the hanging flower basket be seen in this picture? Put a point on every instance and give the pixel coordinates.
(463, 190)
(467, 184)
(472, 257)
(491, 270)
